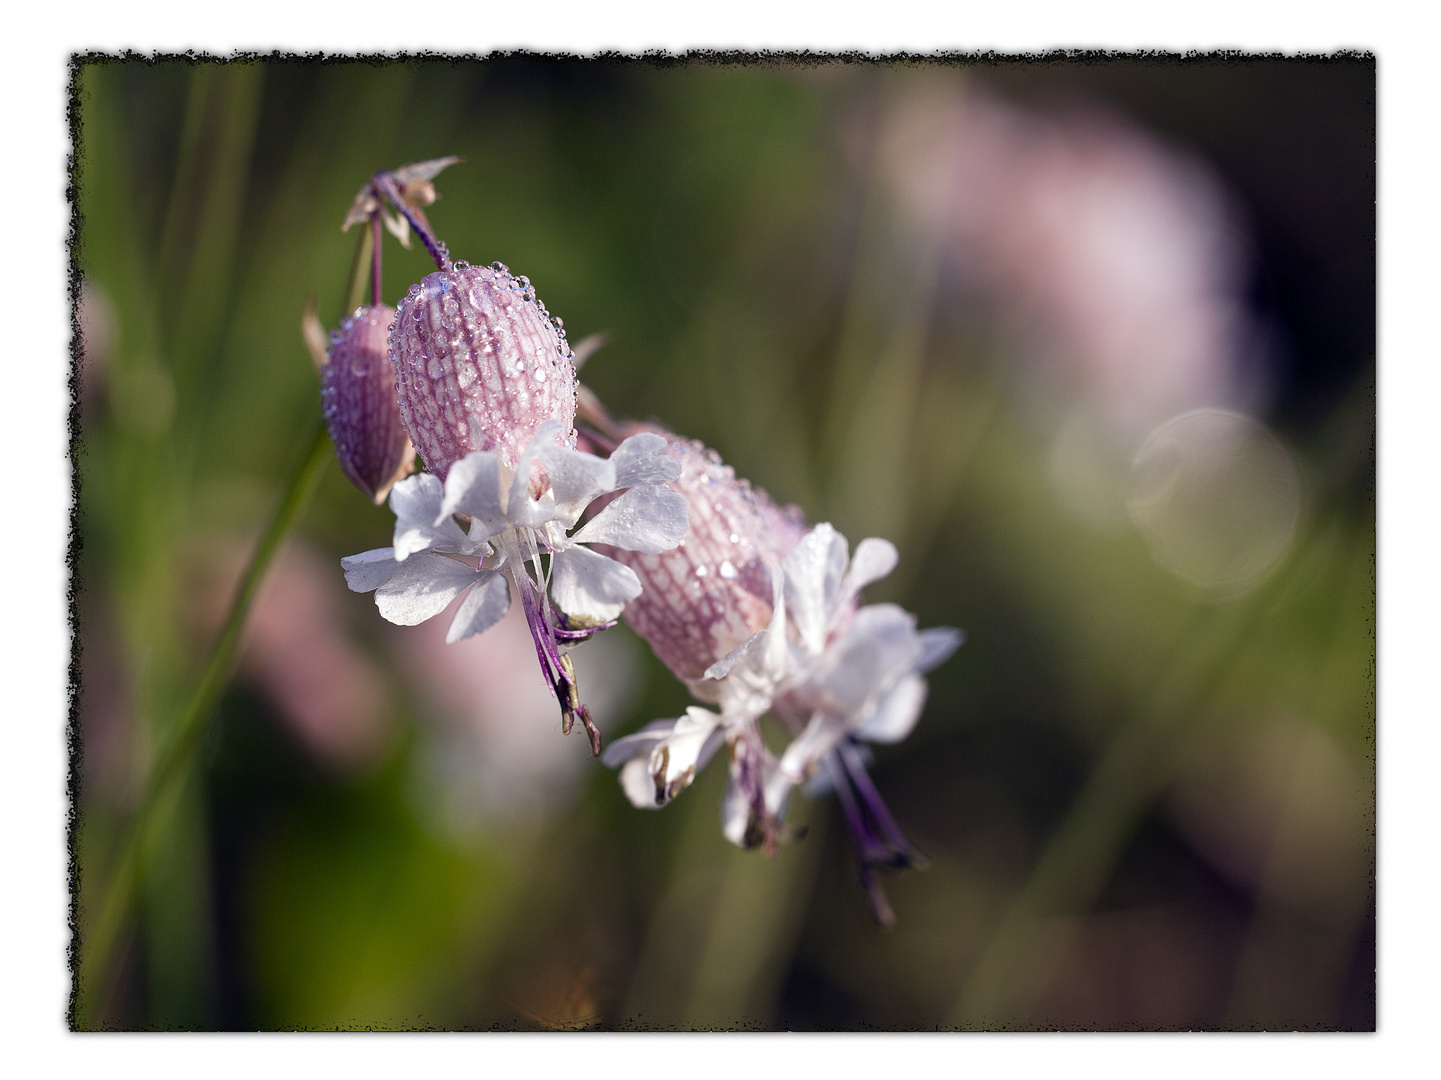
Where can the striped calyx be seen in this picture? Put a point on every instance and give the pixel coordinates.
(706, 597)
(357, 393)
(479, 365)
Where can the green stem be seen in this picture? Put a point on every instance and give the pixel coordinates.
(180, 743)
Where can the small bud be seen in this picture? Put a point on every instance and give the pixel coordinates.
(479, 365)
(357, 392)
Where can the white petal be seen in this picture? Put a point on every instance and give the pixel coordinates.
(637, 744)
(648, 519)
(642, 459)
(873, 560)
(473, 487)
(689, 746)
(370, 569)
(483, 607)
(520, 508)
(422, 587)
(419, 524)
(880, 646)
(937, 644)
(662, 759)
(813, 572)
(896, 713)
(588, 586)
(638, 784)
(735, 814)
(764, 654)
(575, 479)
(817, 740)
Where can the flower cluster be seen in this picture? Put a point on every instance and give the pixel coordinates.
(755, 613)
(759, 616)
(485, 387)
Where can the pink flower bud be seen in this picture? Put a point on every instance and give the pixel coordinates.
(357, 392)
(703, 599)
(479, 365)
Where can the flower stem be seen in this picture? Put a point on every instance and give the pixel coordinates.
(375, 259)
(359, 263)
(179, 745)
(383, 184)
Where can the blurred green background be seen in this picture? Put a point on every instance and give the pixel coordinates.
(951, 305)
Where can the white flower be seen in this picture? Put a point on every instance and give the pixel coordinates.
(659, 761)
(516, 518)
(856, 672)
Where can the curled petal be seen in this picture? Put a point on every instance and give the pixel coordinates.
(419, 524)
(641, 459)
(369, 570)
(423, 170)
(422, 587)
(483, 607)
(590, 587)
(813, 572)
(648, 519)
(473, 487)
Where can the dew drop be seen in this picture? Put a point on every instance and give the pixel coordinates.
(436, 369)
(727, 570)
(701, 571)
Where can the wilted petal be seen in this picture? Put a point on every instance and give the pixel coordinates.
(575, 479)
(895, 714)
(473, 487)
(483, 607)
(590, 587)
(813, 572)
(419, 524)
(370, 569)
(641, 459)
(647, 519)
(422, 587)
(422, 170)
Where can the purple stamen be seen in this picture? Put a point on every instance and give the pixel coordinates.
(555, 665)
(902, 851)
(883, 845)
